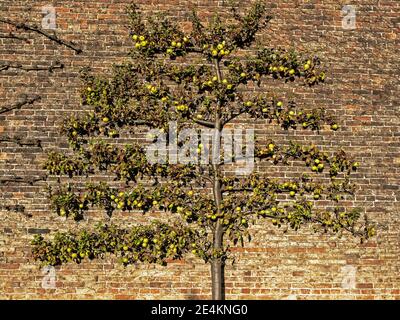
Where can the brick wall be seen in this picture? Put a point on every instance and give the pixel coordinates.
(362, 90)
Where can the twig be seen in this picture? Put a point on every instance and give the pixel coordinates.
(205, 123)
(50, 68)
(15, 208)
(20, 141)
(13, 36)
(15, 179)
(234, 115)
(33, 28)
(20, 104)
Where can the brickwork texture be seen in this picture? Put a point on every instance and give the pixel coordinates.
(361, 90)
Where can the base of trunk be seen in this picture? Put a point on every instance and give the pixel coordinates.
(218, 279)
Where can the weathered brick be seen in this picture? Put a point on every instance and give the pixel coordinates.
(361, 91)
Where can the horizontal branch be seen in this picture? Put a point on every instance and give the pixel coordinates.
(51, 37)
(20, 104)
(229, 118)
(16, 208)
(205, 123)
(154, 243)
(49, 68)
(17, 179)
(20, 141)
(13, 36)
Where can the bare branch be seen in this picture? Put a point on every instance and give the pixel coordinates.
(20, 141)
(33, 28)
(17, 179)
(13, 36)
(232, 116)
(50, 68)
(20, 104)
(15, 208)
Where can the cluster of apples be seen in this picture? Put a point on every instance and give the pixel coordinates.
(140, 41)
(312, 157)
(291, 187)
(288, 116)
(90, 95)
(280, 63)
(318, 166)
(299, 210)
(93, 95)
(182, 107)
(176, 46)
(151, 243)
(274, 210)
(213, 82)
(312, 76)
(75, 128)
(307, 65)
(283, 70)
(59, 164)
(268, 151)
(217, 51)
(229, 219)
(67, 204)
(214, 216)
(168, 243)
(338, 220)
(124, 200)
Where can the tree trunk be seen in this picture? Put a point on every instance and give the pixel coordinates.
(217, 278)
(217, 266)
(217, 263)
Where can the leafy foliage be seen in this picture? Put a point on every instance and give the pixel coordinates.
(154, 244)
(208, 92)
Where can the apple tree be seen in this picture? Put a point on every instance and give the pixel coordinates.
(197, 79)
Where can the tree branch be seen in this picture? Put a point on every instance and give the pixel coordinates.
(50, 68)
(33, 28)
(233, 116)
(20, 104)
(15, 208)
(20, 141)
(223, 190)
(16, 179)
(233, 161)
(13, 36)
(205, 123)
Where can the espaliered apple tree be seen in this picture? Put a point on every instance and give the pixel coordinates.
(197, 79)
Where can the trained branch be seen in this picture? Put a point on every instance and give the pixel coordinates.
(229, 118)
(13, 36)
(33, 28)
(27, 180)
(205, 123)
(15, 208)
(20, 141)
(50, 68)
(20, 104)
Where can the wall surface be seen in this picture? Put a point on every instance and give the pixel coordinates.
(362, 90)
